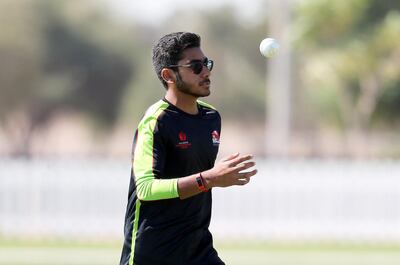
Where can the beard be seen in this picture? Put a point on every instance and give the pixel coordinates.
(187, 89)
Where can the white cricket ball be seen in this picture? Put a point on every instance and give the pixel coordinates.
(269, 47)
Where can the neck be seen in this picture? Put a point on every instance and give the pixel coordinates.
(185, 102)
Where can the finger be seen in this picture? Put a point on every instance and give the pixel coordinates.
(232, 156)
(249, 174)
(239, 160)
(244, 166)
(242, 181)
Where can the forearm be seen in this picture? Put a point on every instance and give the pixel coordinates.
(151, 189)
(188, 186)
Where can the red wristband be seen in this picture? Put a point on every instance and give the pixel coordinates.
(200, 183)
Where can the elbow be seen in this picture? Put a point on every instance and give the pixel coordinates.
(142, 191)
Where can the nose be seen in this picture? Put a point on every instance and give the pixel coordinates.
(205, 72)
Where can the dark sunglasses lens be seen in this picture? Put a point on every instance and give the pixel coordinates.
(197, 67)
(210, 64)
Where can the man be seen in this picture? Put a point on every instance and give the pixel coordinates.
(173, 171)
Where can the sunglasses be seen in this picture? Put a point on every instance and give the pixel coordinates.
(197, 65)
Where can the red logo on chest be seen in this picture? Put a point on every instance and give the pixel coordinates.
(182, 136)
(215, 137)
(183, 142)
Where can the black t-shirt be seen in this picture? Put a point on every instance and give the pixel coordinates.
(160, 228)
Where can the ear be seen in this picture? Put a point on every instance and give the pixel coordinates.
(168, 75)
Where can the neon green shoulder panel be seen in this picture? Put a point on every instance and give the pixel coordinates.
(149, 188)
(206, 104)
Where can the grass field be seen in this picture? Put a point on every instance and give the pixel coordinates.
(72, 253)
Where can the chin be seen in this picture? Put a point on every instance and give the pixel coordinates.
(206, 93)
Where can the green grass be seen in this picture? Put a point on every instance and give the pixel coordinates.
(233, 253)
(309, 254)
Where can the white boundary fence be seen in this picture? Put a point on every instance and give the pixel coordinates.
(287, 200)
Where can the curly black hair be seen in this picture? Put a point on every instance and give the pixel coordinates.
(169, 49)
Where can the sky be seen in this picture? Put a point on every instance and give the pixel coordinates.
(156, 11)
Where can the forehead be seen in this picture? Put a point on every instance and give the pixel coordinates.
(192, 54)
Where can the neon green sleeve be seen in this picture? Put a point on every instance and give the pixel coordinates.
(148, 187)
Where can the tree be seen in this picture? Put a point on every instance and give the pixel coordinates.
(62, 61)
(350, 56)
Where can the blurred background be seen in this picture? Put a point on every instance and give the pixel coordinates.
(322, 119)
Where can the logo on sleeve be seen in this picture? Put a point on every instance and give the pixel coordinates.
(215, 137)
(183, 142)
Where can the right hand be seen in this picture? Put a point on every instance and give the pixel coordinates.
(228, 172)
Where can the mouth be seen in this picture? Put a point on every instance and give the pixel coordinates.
(205, 83)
